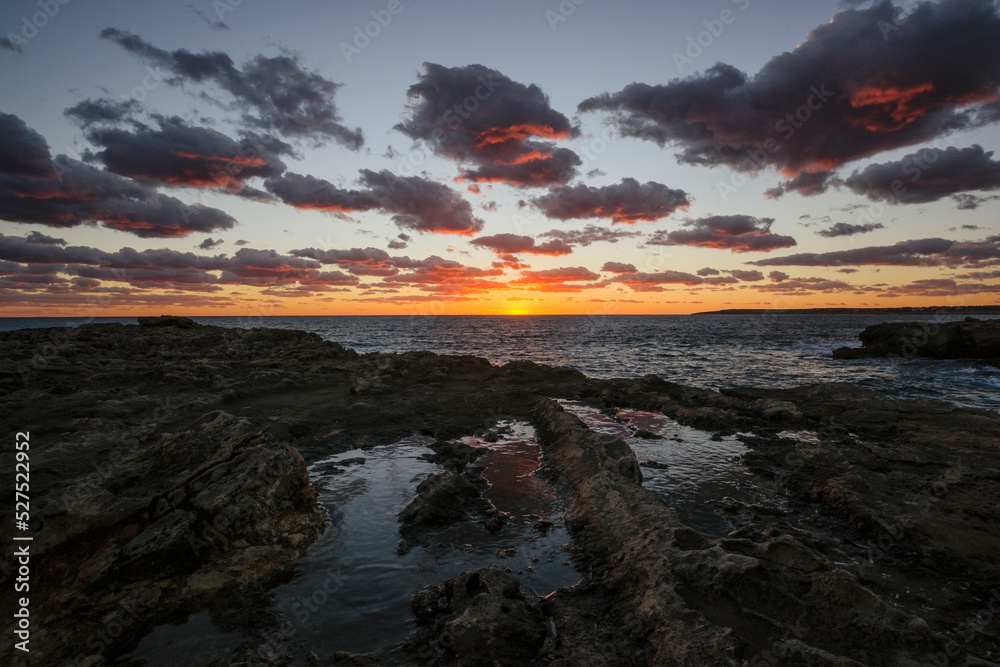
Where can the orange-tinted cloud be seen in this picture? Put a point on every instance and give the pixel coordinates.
(862, 84)
(503, 130)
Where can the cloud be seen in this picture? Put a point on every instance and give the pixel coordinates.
(210, 243)
(169, 269)
(84, 194)
(502, 129)
(628, 201)
(564, 279)
(968, 202)
(928, 175)
(422, 205)
(43, 239)
(442, 276)
(416, 203)
(514, 244)
(619, 268)
(651, 282)
(212, 24)
(358, 261)
(6, 43)
(808, 184)
(845, 229)
(738, 233)
(178, 154)
(23, 151)
(273, 94)
(308, 192)
(746, 276)
(103, 111)
(916, 252)
(588, 235)
(708, 271)
(777, 276)
(864, 83)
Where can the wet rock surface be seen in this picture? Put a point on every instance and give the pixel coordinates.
(970, 339)
(170, 477)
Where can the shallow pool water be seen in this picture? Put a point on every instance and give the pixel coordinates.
(685, 466)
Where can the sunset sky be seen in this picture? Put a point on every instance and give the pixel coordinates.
(311, 157)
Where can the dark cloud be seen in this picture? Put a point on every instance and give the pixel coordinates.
(514, 244)
(777, 276)
(103, 111)
(746, 276)
(628, 201)
(809, 184)
(84, 194)
(308, 192)
(6, 43)
(179, 154)
(845, 229)
(738, 233)
(23, 151)
(917, 252)
(651, 282)
(416, 203)
(421, 205)
(619, 268)
(968, 202)
(210, 243)
(588, 235)
(864, 83)
(928, 175)
(708, 271)
(358, 261)
(274, 94)
(499, 127)
(44, 239)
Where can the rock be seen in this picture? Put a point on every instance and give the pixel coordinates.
(454, 455)
(167, 321)
(161, 521)
(971, 339)
(447, 498)
(479, 617)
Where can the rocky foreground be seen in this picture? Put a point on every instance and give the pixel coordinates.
(970, 339)
(168, 476)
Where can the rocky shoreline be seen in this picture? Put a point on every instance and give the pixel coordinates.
(169, 465)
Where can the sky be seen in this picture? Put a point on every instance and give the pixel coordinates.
(242, 157)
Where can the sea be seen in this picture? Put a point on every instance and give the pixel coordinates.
(773, 350)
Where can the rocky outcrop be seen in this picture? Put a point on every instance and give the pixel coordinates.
(971, 339)
(139, 529)
(483, 618)
(446, 498)
(686, 600)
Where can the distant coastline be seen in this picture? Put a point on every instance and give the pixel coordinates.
(929, 310)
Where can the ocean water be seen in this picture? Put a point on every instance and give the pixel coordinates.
(711, 351)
